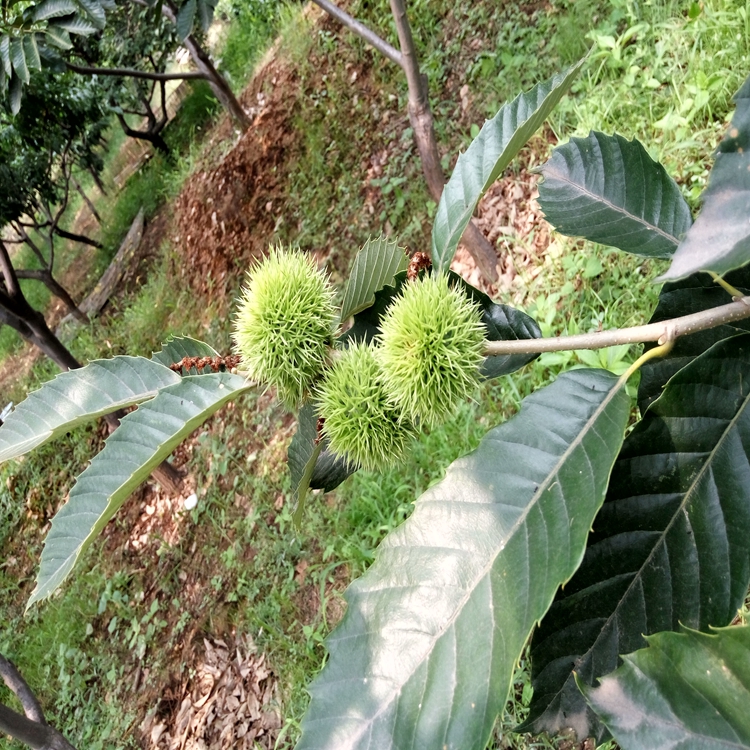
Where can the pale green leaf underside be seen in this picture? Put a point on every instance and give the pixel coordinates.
(143, 440)
(499, 140)
(427, 648)
(78, 396)
(18, 58)
(689, 690)
(376, 264)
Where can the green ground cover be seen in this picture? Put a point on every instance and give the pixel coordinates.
(657, 72)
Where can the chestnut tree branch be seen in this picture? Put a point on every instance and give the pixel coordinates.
(661, 332)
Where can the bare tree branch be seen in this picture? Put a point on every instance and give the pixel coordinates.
(362, 31)
(132, 73)
(31, 729)
(13, 679)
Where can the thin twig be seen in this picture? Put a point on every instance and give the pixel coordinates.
(676, 327)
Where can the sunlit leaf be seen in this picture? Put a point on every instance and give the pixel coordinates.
(376, 265)
(31, 52)
(76, 24)
(427, 649)
(78, 396)
(18, 58)
(54, 9)
(177, 348)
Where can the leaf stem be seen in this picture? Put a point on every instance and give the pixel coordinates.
(736, 293)
(304, 485)
(661, 332)
(657, 351)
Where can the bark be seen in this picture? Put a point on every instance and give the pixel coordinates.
(36, 736)
(97, 180)
(16, 312)
(218, 83)
(152, 137)
(361, 30)
(420, 117)
(87, 200)
(202, 61)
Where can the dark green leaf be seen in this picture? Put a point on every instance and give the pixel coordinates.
(503, 323)
(179, 347)
(686, 690)
(185, 18)
(15, 92)
(376, 265)
(143, 440)
(670, 545)
(426, 651)
(329, 472)
(54, 9)
(205, 13)
(499, 140)
(366, 323)
(18, 58)
(78, 396)
(5, 54)
(76, 24)
(94, 11)
(31, 52)
(720, 238)
(59, 37)
(693, 294)
(609, 190)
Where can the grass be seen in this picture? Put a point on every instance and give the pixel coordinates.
(257, 575)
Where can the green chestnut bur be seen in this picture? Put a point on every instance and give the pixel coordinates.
(284, 324)
(431, 345)
(359, 420)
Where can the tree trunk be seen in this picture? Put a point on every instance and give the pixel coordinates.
(36, 736)
(87, 200)
(420, 117)
(152, 137)
(218, 83)
(45, 276)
